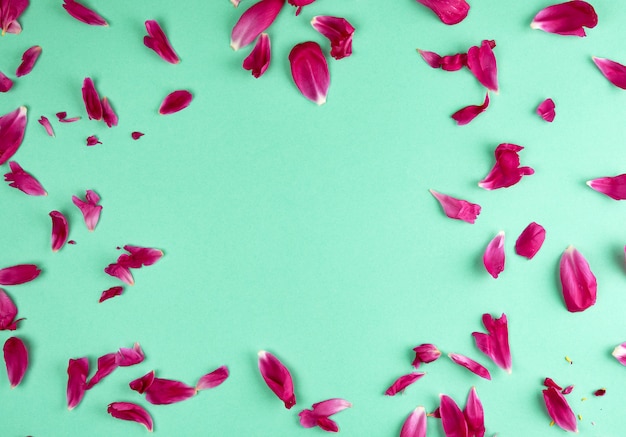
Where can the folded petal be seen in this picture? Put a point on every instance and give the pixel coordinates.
(10, 10)
(614, 187)
(481, 61)
(83, 13)
(415, 424)
(567, 390)
(277, 378)
(175, 101)
(403, 382)
(16, 360)
(307, 418)
(92, 140)
(131, 412)
(59, 230)
(449, 11)
(546, 110)
(108, 114)
(578, 283)
(327, 424)
(110, 293)
(506, 171)
(470, 365)
(620, 353)
(121, 272)
(137, 135)
(29, 58)
(167, 391)
(310, 71)
(493, 258)
(91, 100)
(495, 344)
(213, 379)
(425, 353)
(12, 127)
(259, 58)
(5, 83)
(158, 41)
(299, 4)
(452, 418)
(129, 356)
(24, 181)
(319, 415)
(77, 371)
(559, 410)
(330, 406)
(339, 31)
(8, 312)
(106, 365)
(530, 240)
(140, 385)
(567, 18)
(89, 208)
(18, 274)
(140, 256)
(254, 21)
(46, 125)
(465, 115)
(474, 415)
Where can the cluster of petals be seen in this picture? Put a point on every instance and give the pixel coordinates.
(254, 21)
(12, 128)
(259, 58)
(403, 382)
(277, 377)
(309, 70)
(558, 408)
(469, 422)
(506, 171)
(451, 62)
(16, 360)
(449, 11)
(97, 109)
(29, 58)
(338, 31)
(131, 412)
(495, 343)
(62, 116)
(320, 414)
(18, 274)
(23, 181)
(457, 208)
(137, 257)
(175, 101)
(494, 258)
(425, 353)
(530, 240)
(578, 283)
(568, 18)
(465, 115)
(83, 14)
(10, 11)
(546, 110)
(89, 208)
(8, 312)
(158, 41)
(612, 186)
(60, 230)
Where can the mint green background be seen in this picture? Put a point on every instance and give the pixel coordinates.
(309, 231)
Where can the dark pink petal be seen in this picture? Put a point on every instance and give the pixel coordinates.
(530, 240)
(559, 410)
(299, 4)
(46, 125)
(29, 58)
(8, 312)
(327, 424)
(436, 413)
(175, 101)
(16, 360)
(457, 208)
(5, 83)
(92, 100)
(111, 292)
(77, 371)
(277, 378)
(108, 114)
(600, 392)
(620, 353)
(549, 382)
(62, 117)
(452, 418)
(120, 272)
(10, 10)
(567, 390)
(495, 344)
(474, 415)
(339, 31)
(59, 230)
(136, 135)
(454, 62)
(308, 419)
(129, 356)
(431, 58)
(167, 391)
(18, 274)
(106, 365)
(213, 379)
(83, 13)
(493, 258)
(482, 63)
(425, 353)
(254, 21)
(131, 412)
(465, 115)
(140, 385)
(330, 406)
(577, 281)
(614, 187)
(157, 41)
(12, 127)
(613, 71)
(89, 208)
(403, 382)
(470, 365)
(319, 415)
(24, 181)
(92, 140)
(310, 71)
(139, 256)
(415, 425)
(546, 110)
(506, 171)
(449, 11)
(566, 18)
(259, 58)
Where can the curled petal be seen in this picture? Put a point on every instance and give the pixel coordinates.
(213, 379)
(559, 410)
(310, 71)
(613, 71)
(620, 353)
(259, 58)
(16, 360)
(449, 11)
(339, 31)
(254, 21)
(12, 127)
(470, 365)
(106, 365)
(46, 125)
(121, 272)
(29, 58)
(77, 371)
(425, 353)
(83, 13)
(131, 412)
(167, 391)
(567, 390)
(24, 181)
(10, 10)
(566, 18)
(530, 240)
(111, 292)
(465, 115)
(59, 230)
(157, 41)
(89, 208)
(92, 140)
(140, 385)
(8, 312)
(546, 110)
(129, 356)
(495, 344)
(175, 101)
(18, 274)
(506, 171)
(108, 114)
(452, 418)
(481, 61)
(493, 258)
(403, 382)
(92, 100)
(614, 187)
(415, 424)
(277, 378)
(5, 83)
(136, 135)
(578, 283)
(474, 415)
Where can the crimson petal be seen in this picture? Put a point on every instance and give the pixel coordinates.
(77, 371)
(110, 293)
(29, 58)
(425, 353)
(530, 240)
(578, 283)
(137, 135)
(140, 385)
(452, 418)
(167, 391)
(506, 171)
(403, 382)
(46, 125)
(259, 58)
(339, 31)
(481, 61)
(108, 114)
(175, 101)
(613, 71)
(449, 11)
(277, 378)
(495, 344)
(546, 110)
(254, 21)
(89, 208)
(129, 356)
(131, 412)
(299, 4)
(121, 272)
(157, 41)
(24, 181)
(470, 365)
(614, 187)
(18, 274)
(12, 127)
(8, 312)
(319, 415)
(5, 83)
(457, 208)
(83, 13)
(140, 256)
(559, 410)
(465, 115)
(310, 71)
(494, 258)
(92, 100)
(415, 424)
(10, 10)
(213, 379)
(59, 230)
(106, 365)
(16, 360)
(566, 18)
(92, 140)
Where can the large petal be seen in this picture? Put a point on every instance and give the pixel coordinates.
(16, 360)
(495, 344)
(89, 208)
(465, 115)
(620, 353)
(474, 415)
(93, 105)
(449, 11)
(425, 353)
(10, 10)
(506, 171)
(158, 41)
(546, 110)
(578, 283)
(259, 58)
(8, 312)
(481, 61)
(167, 391)
(83, 13)
(213, 379)
(24, 181)
(12, 127)
(77, 371)
(175, 101)
(612, 186)
(613, 71)
(530, 240)
(277, 378)
(310, 71)
(254, 21)
(452, 418)
(18, 274)
(470, 365)
(566, 18)
(415, 424)
(106, 365)
(559, 410)
(339, 31)
(60, 230)
(108, 114)
(403, 382)
(493, 258)
(132, 412)
(29, 58)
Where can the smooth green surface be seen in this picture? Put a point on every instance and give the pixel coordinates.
(309, 231)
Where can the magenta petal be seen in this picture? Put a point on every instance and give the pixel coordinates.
(559, 410)
(566, 18)
(339, 31)
(167, 391)
(62, 117)
(110, 293)
(482, 63)
(493, 258)
(108, 114)
(425, 353)
(613, 71)
(470, 365)
(16, 360)
(106, 365)
(129, 356)
(254, 21)
(415, 424)
(59, 230)
(29, 58)
(259, 58)
(175, 101)
(319, 415)
(89, 208)
(614, 187)
(310, 71)
(77, 371)
(277, 378)
(546, 110)
(8, 312)
(506, 171)
(465, 115)
(326, 423)
(120, 272)
(431, 58)
(567, 390)
(24, 181)
(213, 379)
(92, 140)
(131, 412)
(12, 127)
(452, 418)
(83, 13)
(403, 382)
(140, 385)
(92, 100)
(577, 281)
(449, 11)
(140, 256)
(157, 41)
(299, 4)
(549, 382)
(457, 208)
(19, 274)
(10, 10)
(474, 415)
(330, 406)
(620, 353)
(308, 419)
(136, 135)
(495, 344)
(46, 125)
(530, 240)
(5, 83)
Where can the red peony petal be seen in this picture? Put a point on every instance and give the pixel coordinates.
(493, 258)
(457, 208)
(213, 379)
(277, 378)
(465, 115)
(254, 21)
(5, 83)
(12, 127)
(449, 11)
(110, 293)
(546, 110)
(62, 118)
(136, 135)
(403, 382)
(567, 390)
(108, 114)
(299, 4)
(495, 344)
(92, 100)
(29, 58)
(425, 353)
(339, 31)
(310, 71)
(530, 240)
(549, 382)
(120, 272)
(8, 312)
(18, 274)
(59, 230)
(24, 181)
(259, 58)
(578, 283)
(129, 356)
(106, 365)
(506, 171)
(175, 101)
(474, 415)
(89, 208)
(83, 13)
(559, 410)
(46, 125)
(92, 140)
(77, 371)
(470, 365)
(167, 391)
(415, 425)
(566, 18)
(140, 385)
(614, 187)
(481, 61)
(157, 41)
(16, 360)
(10, 12)
(131, 412)
(613, 71)
(452, 418)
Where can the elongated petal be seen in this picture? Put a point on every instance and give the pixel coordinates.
(5, 83)
(559, 410)
(46, 125)
(158, 41)
(415, 424)
(566, 18)
(24, 181)
(613, 71)
(465, 115)
(139, 256)
(16, 360)
(330, 406)
(83, 13)
(12, 127)
(310, 71)
(546, 110)
(106, 365)
(338, 31)
(620, 353)
(29, 58)
(614, 187)
(425, 353)
(259, 58)
(495, 344)
(62, 116)
(213, 379)
(549, 382)
(108, 114)
(506, 171)
(578, 283)
(277, 378)
(140, 385)
(175, 101)
(110, 293)
(121, 272)
(137, 135)
(470, 365)
(254, 21)
(77, 371)
(452, 418)
(327, 424)
(18, 274)
(481, 61)
(449, 11)
(403, 382)
(131, 412)
(493, 258)
(10, 11)
(431, 58)
(474, 415)
(92, 100)
(59, 230)
(530, 240)
(89, 208)
(8, 312)
(129, 356)
(167, 391)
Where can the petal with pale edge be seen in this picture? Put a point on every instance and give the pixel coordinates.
(506, 171)
(470, 365)
(121, 272)
(530, 240)
(546, 110)
(89, 208)
(46, 125)
(10, 10)
(91, 100)
(167, 391)
(108, 114)
(5, 83)
(110, 293)
(452, 418)
(158, 41)
(254, 21)
(29, 58)
(16, 360)
(259, 58)
(415, 424)
(425, 353)
(495, 344)
(338, 31)
(175, 101)
(8, 312)
(613, 71)
(493, 258)
(481, 61)
(24, 181)
(559, 410)
(449, 11)
(620, 353)
(566, 18)
(457, 208)
(213, 379)
(131, 412)
(614, 187)
(578, 283)
(18, 274)
(12, 127)
(465, 115)
(474, 414)
(77, 371)
(277, 377)
(106, 365)
(83, 13)
(59, 230)
(310, 71)
(431, 58)
(403, 382)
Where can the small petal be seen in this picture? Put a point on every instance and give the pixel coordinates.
(16, 360)
(530, 240)
(277, 378)
(431, 58)
(506, 171)
(83, 13)
(12, 127)
(89, 208)
(600, 392)
(403, 382)
(18, 274)
(5, 83)
(24, 181)
(108, 114)
(46, 125)
(549, 382)
(614, 187)
(330, 406)
(29, 58)
(129, 356)
(299, 4)
(457, 208)
(566, 18)
(339, 31)
(546, 110)
(620, 353)
(559, 410)
(62, 118)
(106, 365)
(92, 100)
(449, 11)
(452, 418)
(470, 365)
(474, 415)
(213, 379)
(111, 292)
(121, 272)
(310, 71)
(59, 230)
(77, 371)
(425, 353)
(465, 115)
(495, 344)
(8, 312)
(493, 258)
(11, 10)
(132, 412)
(319, 415)
(167, 391)
(175, 101)
(481, 61)
(415, 425)
(567, 390)
(254, 21)
(578, 283)
(136, 135)
(259, 58)
(139, 256)
(613, 71)
(92, 140)
(325, 423)
(157, 41)
(140, 385)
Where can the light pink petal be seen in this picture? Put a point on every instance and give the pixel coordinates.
(299, 4)
(24, 181)
(140, 385)
(12, 127)
(578, 283)
(92, 100)
(16, 360)
(235, 2)
(167, 391)
(15, 27)
(330, 406)
(175, 101)
(546, 110)
(613, 71)
(5, 83)
(495, 344)
(457, 208)
(470, 365)
(131, 412)
(506, 171)
(108, 114)
(83, 13)
(10, 10)
(92, 140)
(310, 71)
(136, 135)
(59, 230)
(403, 382)
(277, 378)
(425, 353)
(452, 418)
(431, 58)
(213, 379)
(614, 187)
(493, 258)
(566, 18)
(449, 11)
(18, 274)
(339, 31)
(120, 272)
(474, 415)
(620, 353)
(415, 425)
(77, 371)
(259, 58)
(140, 256)
(29, 58)
(481, 61)
(46, 125)
(465, 115)
(157, 41)
(129, 356)
(559, 410)
(8, 312)
(110, 293)
(106, 365)
(254, 21)
(530, 240)
(89, 208)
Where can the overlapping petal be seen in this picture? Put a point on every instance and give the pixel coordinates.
(299, 4)
(452, 418)
(481, 61)
(89, 208)
(338, 31)
(403, 382)
(559, 410)
(160, 391)
(612, 186)
(77, 371)
(310, 71)
(158, 41)
(415, 424)
(620, 353)
(131, 412)
(568, 18)
(10, 11)
(175, 101)
(449, 11)
(254, 21)
(320, 413)
(465, 115)
(213, 379)
(29, 58)
(425, 353)
(578, 283)
(470, 365)
(106, 365)
(137, 257)
(23, 181)
(506, 171)
(530, 240)
(277, 377)
(62, 116)
(91, 100)
(16, 360)
(259, 58)
(546, 110)
(83, 13)
(18, 274)
(495, 344)
(60, 230)
(493, 258)
(12, 128)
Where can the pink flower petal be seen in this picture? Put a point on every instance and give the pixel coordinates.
(614, 187)
(403, 382)
(546, 110)
(299, 4)
(474, 415)
(415, 424)
(175, 101)
(567, 390)
(493, 258)
(92, 100)
(89, 208)
(29, 58)
(578, 283)
(5, 83)
(452, 62)
(136, 135)
(431, 58)
(339, 31)
(506, 171)
(449, 11)
(457, 208)
(62, 117)
(46, 125)
(92, 140)
(620, 353)
(213, 379)
(108, 114)
(465, 115)
(121, 272)
(259, 58)
(470, 365)
(167, 391)
(330, 406)
(157, 41)
(613, 71)
(530, 240)
(83, 13)
(140, 385)
(559, 410)
(277, 378)
(129, 356)
(319, 415)
(24, 181)
(12, 126)
(327, 424)
(8, 312)
(254, 21)
(482, 63)
(77, 371)
(425, 353)
(18, 274)
(310, 71)
(452, 418)
(140, 256)
(106, 365)
(131, 412)
(110, 293)
(16, 360)
(10, 12)
(495, 344)
(566, 18)
(600, 392)
(549, 382)
(59, 230)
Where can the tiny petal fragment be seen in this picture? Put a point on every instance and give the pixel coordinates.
(92, 100)
(110, 293)
(530, 240)
(620, 353)
(59, 230)
(425, 353)
(108, 114)
(89, 208)
(136, 135)
(600, 392)
(12, 127)
(578, 283)
(403, 382)
(452, 418)
(157, 41)
(559, 410)
(10, 11)
(46, 125)
(131, 412)
(495, 344)
(77, 371)
(449, 11)
(470, 365)
(613, 71)
(83, 13)
(62, 116)
(566, 18)
(213, 379)
(18, 274)
(474, 415)
(24, 181)
(29, 58)
(92, 140)
(277, 378)
(319, 415)
(8, 312)
(614, 187)
(310, 71)
(339, 31)
(5, 83)
(16, 360)
(259, 58)
(254, 21)
(465, 115)
(493, 258)
(481, 61)
(415, 425)
(506, 171)
(546, 110)
(175, 101)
